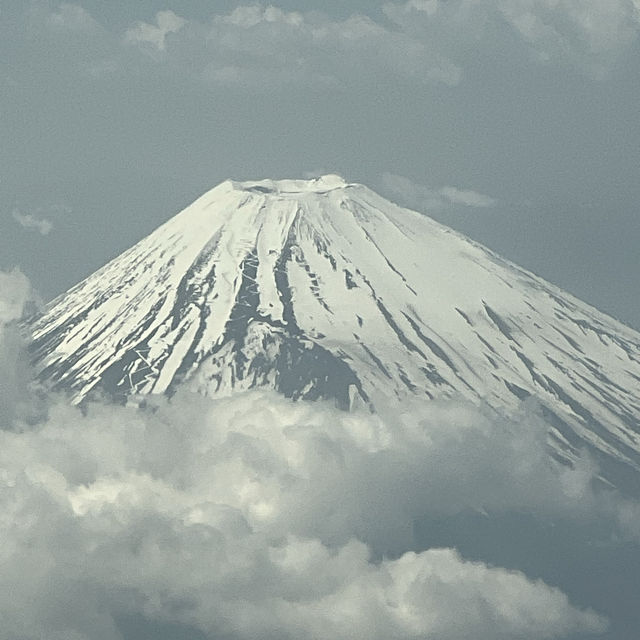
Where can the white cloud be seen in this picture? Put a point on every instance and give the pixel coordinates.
(15, 291)
(32, 223)
(466, 197)
(256, 517)
(587, 32)
(318, 173)
(427, 198)
(421, 42)
(154, 36)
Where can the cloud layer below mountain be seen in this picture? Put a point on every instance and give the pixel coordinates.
(255, 518)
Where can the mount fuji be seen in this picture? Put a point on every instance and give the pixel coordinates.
(323, 289)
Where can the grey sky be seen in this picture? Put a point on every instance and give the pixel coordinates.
(514, 121)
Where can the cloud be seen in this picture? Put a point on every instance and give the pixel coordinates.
(419, 42)
(72, 17)
(32, 223)
(589, 34)
(16, 292)
(427, 199)
(251, 16)
(250, 518)
(466, 197)
(262, 46)
(154, 36)
(16, 299)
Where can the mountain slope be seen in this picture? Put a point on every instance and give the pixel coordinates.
(324, 289)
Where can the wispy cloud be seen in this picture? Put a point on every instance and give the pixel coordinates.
(154, 36)
(421, 41)
(71, 17)
(30, 222)
(466, 197)
(261, 46)
(589, 34)
(427, 198)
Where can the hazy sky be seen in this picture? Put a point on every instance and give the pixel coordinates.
(514, 121)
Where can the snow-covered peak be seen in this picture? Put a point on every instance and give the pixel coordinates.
(319, 288)
(320, 184)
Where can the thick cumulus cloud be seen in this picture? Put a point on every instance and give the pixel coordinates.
(254, 517)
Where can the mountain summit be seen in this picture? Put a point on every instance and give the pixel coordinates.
(323, 289)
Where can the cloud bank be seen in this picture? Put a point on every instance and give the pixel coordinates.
(248, 518)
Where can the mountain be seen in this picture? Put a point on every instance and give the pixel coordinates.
(323, 289)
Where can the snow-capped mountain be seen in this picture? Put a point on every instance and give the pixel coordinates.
(322, 288)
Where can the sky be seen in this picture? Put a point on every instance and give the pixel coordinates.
(254, 517)
(513, 121)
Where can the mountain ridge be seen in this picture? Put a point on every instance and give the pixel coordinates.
(323, 289)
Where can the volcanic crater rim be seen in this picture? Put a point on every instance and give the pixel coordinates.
(321, 184)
